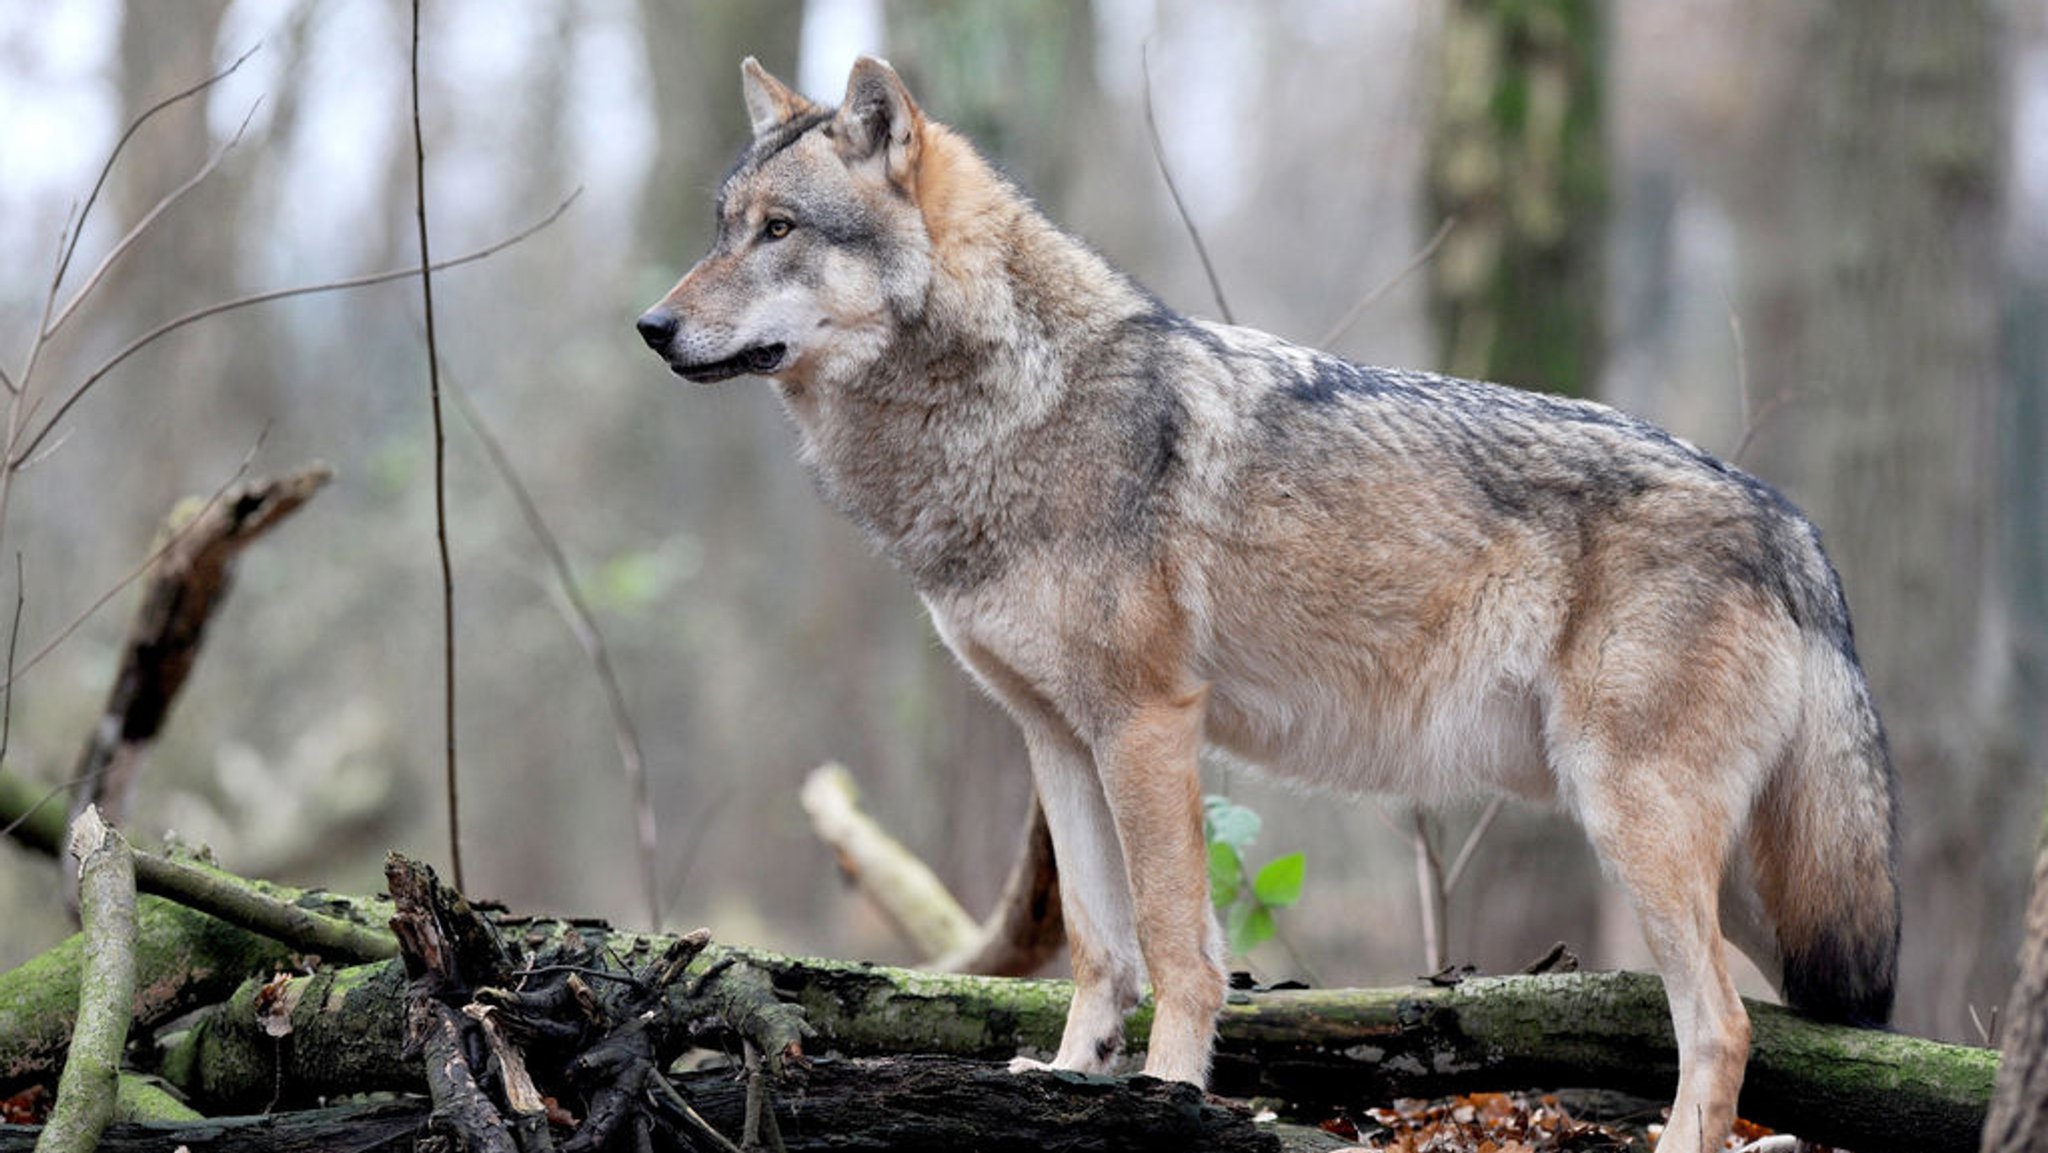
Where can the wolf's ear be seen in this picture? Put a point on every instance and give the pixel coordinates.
(770, 102)
(879, 125)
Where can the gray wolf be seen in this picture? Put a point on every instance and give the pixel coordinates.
(1144, 533)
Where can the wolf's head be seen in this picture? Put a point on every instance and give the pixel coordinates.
(821, 251)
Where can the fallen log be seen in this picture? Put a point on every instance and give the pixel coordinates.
(1870, 1091)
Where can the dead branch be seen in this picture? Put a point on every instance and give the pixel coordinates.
(333, 928)
(905, 887)
(87, 1088)
(139, 571)
(1026, 929)
(1863, 1089)
(188, 579)
(1021, 934)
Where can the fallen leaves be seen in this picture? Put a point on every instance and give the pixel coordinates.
(1512, 1123)
(1490, 1123)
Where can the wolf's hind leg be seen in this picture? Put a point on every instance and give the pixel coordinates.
(1666, 846)
(1094, 898)
(1153, 781)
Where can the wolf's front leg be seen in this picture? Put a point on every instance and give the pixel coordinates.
(1095, 898)
(1150, 771)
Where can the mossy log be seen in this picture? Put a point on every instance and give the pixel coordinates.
(1870, 1091)
(184, 960)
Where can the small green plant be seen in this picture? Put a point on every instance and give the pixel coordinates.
(1246, 900)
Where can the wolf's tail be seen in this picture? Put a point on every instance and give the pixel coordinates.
(1823, 846)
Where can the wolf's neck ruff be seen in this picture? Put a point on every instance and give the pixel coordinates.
(934, 446)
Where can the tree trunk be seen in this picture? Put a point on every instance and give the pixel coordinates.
(1870, 297)
(1517, 157)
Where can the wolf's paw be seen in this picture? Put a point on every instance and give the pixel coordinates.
(1029, 1065)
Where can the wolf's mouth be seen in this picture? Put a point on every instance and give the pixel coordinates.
(760, 360)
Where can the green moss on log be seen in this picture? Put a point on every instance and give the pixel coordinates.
(184, 960)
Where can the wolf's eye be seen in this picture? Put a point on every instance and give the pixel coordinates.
(777, 228)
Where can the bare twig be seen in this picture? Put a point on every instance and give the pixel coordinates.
(1471, 845)
(419, 156)
(13, 638)
(1986, 1033)
(1159, 154)
(583, 624)
(142, 226)
(77, 226)
(20, 456)
(1754, 421)
(1429, 880)
(693, 839)
(22, 404)
(1389, 284)
(1741, 359)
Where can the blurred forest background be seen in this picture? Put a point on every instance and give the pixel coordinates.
(1814, 236)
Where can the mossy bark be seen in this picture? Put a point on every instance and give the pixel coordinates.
(184, 960)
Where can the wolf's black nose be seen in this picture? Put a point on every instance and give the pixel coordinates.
(657, 327)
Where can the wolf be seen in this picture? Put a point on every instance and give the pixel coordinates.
(1144, 533)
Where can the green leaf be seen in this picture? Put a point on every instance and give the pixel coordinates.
(1226, 874)
(1279, 883)
(1227, 821)
(1251, 924)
